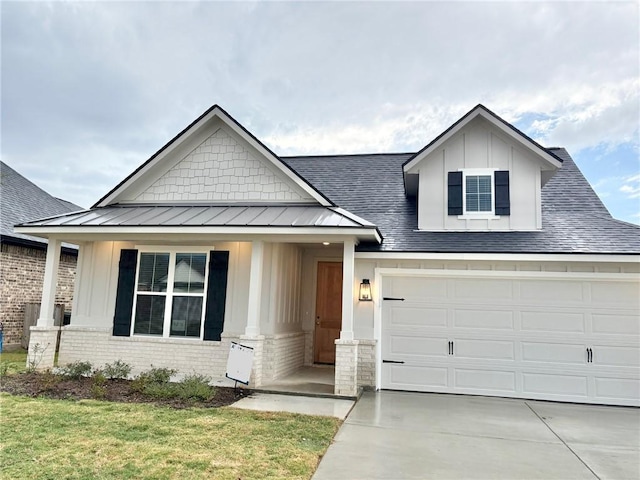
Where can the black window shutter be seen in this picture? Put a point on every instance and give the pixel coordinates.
(216, 295)
(502, 202)
(454, 193)
(124, 295)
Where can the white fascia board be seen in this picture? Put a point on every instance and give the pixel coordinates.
(226, 231)
(353, 216)
(494, 121)
(505, 257)
(513, 274)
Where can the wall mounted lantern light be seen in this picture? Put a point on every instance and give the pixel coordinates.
(365, 291)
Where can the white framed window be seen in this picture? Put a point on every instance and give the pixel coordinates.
(170, 292)
(478, 193)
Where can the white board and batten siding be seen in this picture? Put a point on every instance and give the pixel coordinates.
(553, 336)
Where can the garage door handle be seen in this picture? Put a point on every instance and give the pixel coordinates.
(393, 298)
(589, 355)
(392, 361)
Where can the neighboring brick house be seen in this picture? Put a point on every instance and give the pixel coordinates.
(22, 257)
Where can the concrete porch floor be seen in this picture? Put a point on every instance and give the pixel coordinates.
(314, 380)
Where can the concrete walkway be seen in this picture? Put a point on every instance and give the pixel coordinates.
(328, 407)
(398, 435)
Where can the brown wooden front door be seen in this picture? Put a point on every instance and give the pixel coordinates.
(328, 311)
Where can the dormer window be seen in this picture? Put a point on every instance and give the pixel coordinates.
(478, 193)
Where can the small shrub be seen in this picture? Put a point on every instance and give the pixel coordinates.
(117, 370)
(98, 392)
(161, 390)
(35, 355)
(195, 387)
(150, 379)
(98, 388)
(98, 377)
(4, 368)
(76, 370)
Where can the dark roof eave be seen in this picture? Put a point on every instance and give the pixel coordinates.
(35, 244)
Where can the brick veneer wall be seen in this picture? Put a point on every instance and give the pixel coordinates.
(21, 277)
(367, 363)
(187, 356)
(283, 355)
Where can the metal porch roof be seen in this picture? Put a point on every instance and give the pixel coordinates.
(206, 215)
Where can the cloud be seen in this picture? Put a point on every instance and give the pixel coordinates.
(92, 89)
(631, 187)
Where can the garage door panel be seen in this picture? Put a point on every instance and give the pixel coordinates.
(620, 294)
(555, 384)
(424, 317)
(551, 292)
(549, 321)
(615, 324)
(484, 289)
(416, 346)
(406, 377)
(618, 388)
(620, 356)
(565, 353)
(484, 349)
(483, 319)
(417, 288)
(485, 380)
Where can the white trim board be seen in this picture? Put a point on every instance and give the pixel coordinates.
(505, 257)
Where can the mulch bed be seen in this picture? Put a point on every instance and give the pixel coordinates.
(53, 386)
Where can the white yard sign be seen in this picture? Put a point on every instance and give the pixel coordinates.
(239, 363)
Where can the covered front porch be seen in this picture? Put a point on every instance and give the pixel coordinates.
(271, 306)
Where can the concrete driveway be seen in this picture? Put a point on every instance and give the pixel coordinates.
(398, 435)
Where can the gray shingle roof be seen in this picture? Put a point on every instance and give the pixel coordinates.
(22, 201)
(574, 220)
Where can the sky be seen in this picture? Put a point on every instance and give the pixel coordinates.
(90, 90)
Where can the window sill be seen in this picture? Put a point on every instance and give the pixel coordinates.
(471, 216)
(159, 339)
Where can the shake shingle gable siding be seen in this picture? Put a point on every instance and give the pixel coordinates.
(574, 219)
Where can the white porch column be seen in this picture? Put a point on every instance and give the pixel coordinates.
(348, 268)
(255, 289)
(43, 339)
(47, 304)
(346, 374)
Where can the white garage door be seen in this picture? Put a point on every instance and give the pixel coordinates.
(530, 336)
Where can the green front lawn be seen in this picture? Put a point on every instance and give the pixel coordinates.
(44, 439)
(14, 361)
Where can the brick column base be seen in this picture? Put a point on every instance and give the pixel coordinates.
(308, 347)
(346, 382)
(43, 342)
(257, 343)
